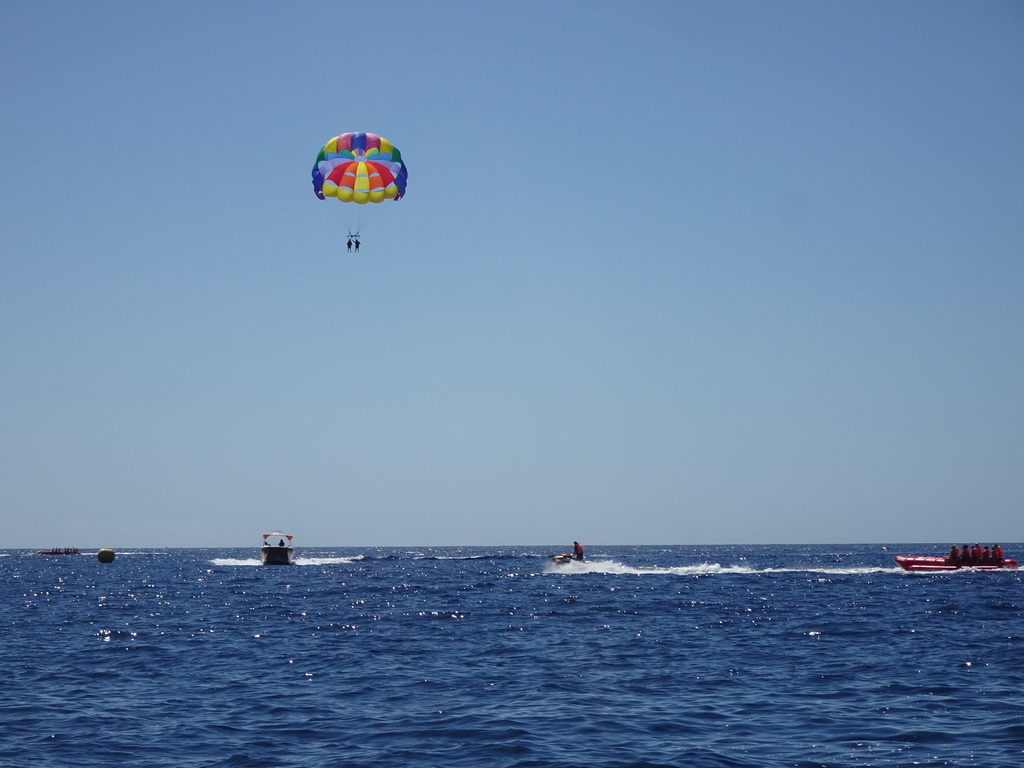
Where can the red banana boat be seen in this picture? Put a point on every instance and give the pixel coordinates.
(924, 563)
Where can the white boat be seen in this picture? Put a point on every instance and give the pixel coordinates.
(277, 549)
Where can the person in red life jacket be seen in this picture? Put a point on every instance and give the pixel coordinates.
(954, 555)
(997, 553)
(965, 555)
(976, 554)
(577, 551)
(986, 555)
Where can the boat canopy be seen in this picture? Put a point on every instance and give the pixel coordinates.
(277, 534)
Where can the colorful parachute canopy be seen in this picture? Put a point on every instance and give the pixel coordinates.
(359, 168)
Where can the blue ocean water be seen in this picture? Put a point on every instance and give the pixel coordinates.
(705, 657)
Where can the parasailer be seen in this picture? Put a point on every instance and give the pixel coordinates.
(359, 168)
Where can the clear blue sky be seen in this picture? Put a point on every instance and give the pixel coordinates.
(669, 272)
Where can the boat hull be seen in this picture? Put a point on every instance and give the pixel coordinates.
(935, 564)
(277, 555)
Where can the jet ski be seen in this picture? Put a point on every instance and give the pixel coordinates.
(565, 558)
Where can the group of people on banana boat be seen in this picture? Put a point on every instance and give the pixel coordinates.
(976, 555)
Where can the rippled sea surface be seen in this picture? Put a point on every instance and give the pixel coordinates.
(640, 656)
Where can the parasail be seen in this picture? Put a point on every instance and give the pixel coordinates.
(359, 168)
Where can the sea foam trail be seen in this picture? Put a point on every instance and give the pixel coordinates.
(702, 569)
(298, 560)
